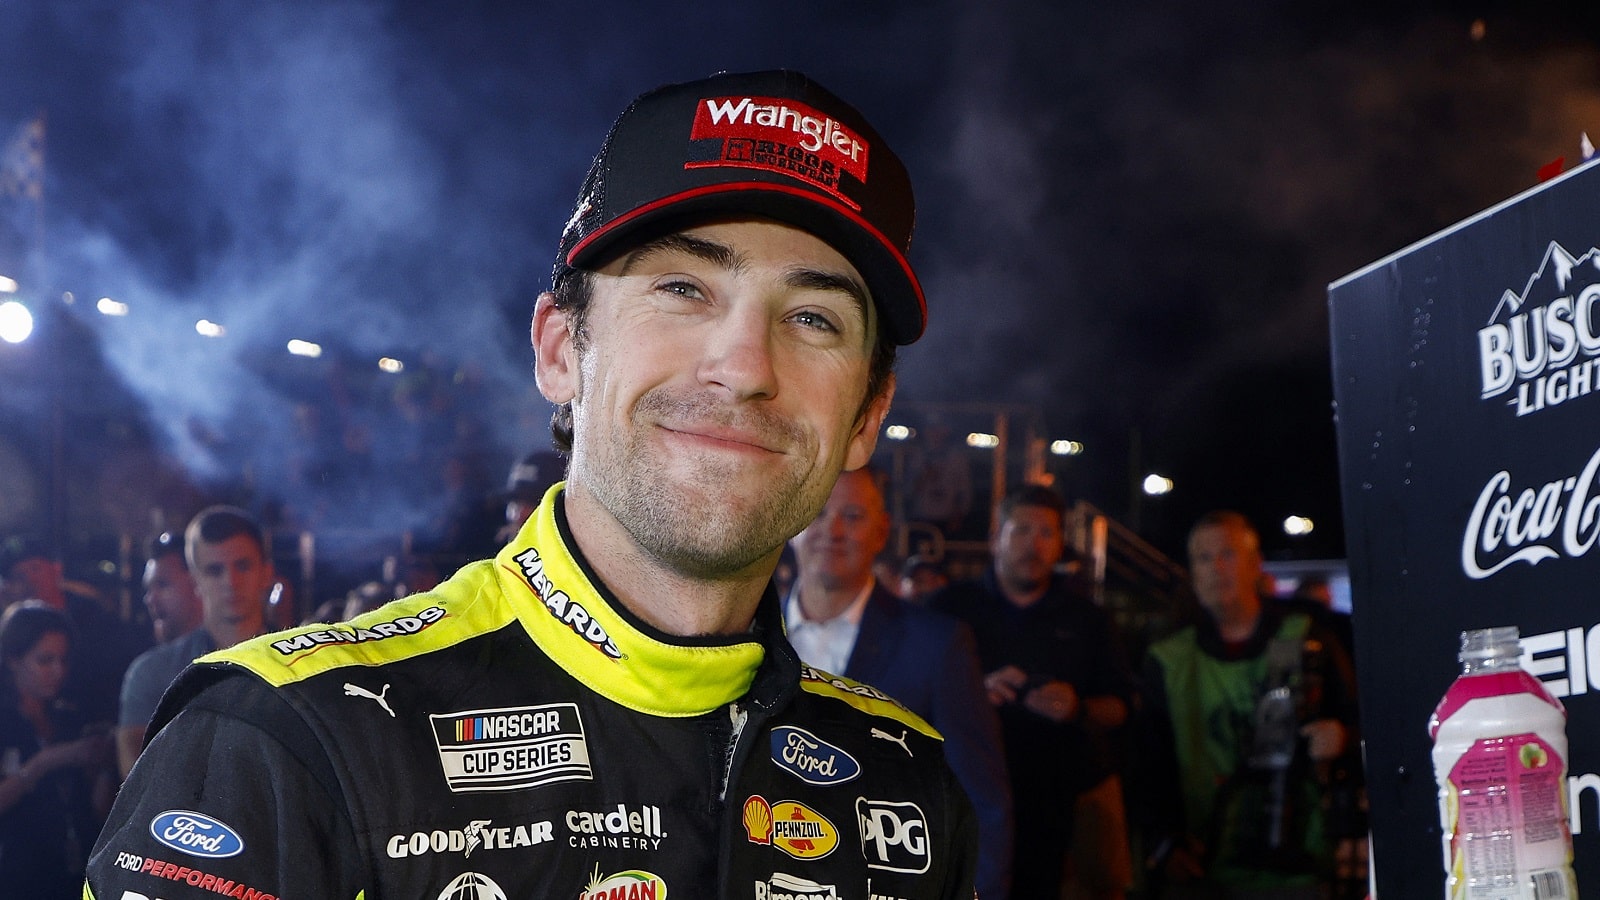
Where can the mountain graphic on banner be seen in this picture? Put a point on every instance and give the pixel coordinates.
(1551, 280)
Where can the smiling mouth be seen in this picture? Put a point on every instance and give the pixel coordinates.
(733, 440)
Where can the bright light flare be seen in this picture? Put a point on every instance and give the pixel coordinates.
(1156, 485)
(899, 432)
(1298, 526)
(8, 285)
(983, 441)
(391, 365)
(16, 323)
(305, 348)
(1066, 448)
(208, 328)
(109, 307)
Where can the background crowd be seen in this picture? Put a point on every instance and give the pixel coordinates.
(1211, 752)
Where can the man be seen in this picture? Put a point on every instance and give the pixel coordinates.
(840, 619)
(1231, 753)
(922, 577)
(1058, 677)
(609, 707)
(33, 570)
(525, 486)
(233, 577)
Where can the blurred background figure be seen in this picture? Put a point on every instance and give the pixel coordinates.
(34, 569)
(57, 778)
(842, 620)
(1057, 675)
(228, 560)
(920, 578)
(175, 611)
(525, 486)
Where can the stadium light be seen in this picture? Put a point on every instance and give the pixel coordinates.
(305, 348)
(983, 441)
(208, 328)
(1156, 485)
(109, 307)
(391, 365)
(1066, 448)
(899, 432)
(16, 322)
(8, 285)
(1298, 526)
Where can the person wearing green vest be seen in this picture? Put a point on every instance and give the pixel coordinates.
(1247, 711)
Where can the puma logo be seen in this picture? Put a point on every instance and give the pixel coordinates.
(901, 740)
(351, 690)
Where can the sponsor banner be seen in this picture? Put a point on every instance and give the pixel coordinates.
(400, 627)
(196, 834)
(894, 836)
(512, 748)
(791, 826)
(810, 758)
(1466, 375)
(807, 673)
(782, 886)
(633, 884)
(195, 878)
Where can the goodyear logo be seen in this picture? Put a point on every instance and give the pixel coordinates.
(792, 827)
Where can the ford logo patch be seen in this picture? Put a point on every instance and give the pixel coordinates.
(196, 834)
(812, 759)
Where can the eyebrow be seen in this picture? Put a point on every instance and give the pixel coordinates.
(725, 257)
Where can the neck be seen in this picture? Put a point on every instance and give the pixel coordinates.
(1020, 594)
(821, 601)
(665, 598)
(33, 709)
(226, 634)
(1237, 621)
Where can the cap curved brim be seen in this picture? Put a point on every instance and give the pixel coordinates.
(889, 276)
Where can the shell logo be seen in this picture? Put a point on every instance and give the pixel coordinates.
(792, 827)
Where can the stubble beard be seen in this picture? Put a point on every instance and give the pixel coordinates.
(696, 525)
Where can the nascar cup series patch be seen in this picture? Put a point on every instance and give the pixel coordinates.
(512, 748)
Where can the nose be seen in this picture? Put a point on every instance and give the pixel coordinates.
(738, 354)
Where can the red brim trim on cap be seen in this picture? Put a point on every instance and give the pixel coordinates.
(730, 187)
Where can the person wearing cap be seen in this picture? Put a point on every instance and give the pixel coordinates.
(525, 486)
(609, 708)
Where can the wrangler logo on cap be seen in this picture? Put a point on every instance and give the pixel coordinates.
(782, 136)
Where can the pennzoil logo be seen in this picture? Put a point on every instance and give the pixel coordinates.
(512, 748)
(566, 610)
(398, 627)
(1544, 342)
(791, 826)
(634, 884)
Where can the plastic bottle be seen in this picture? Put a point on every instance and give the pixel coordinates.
(1500, 759)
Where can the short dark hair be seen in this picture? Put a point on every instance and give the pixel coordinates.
(573, 290)
(1227, 518)
(1030, 495)
(216, 524)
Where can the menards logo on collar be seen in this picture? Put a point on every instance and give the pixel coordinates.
(566, 610)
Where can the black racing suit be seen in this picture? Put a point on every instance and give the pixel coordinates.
(517, 734)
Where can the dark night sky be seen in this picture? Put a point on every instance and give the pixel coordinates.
(1128, 214)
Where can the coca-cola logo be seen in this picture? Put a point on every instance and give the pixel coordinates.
(1557, 519)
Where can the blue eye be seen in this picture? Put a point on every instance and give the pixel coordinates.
(812, 319)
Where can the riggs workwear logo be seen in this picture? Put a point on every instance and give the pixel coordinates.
(508, 749)
(1544, 341)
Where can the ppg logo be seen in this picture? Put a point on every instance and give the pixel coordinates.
(894, 836)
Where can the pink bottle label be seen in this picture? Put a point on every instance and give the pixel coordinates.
(1479, 687)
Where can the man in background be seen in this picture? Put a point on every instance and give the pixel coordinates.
(232, 573)
(1057, 675)
(840, 619)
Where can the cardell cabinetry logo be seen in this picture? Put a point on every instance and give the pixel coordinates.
(1540, 347)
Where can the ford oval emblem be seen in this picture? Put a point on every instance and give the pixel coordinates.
(812, 759)
(196, 834)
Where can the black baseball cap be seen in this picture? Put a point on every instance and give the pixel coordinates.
(774, 144)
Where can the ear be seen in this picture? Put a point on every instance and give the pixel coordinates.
(865, 438)
(555, 365)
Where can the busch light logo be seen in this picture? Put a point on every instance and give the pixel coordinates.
(196, 834)
(811, 759)
(894, 836)
(1540, 347)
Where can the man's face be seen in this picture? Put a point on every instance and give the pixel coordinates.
(36, 578)
(1027, 547)
(717, 390)
(233, 581)
(838, 547)
(169, 594)
(1225, 564)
